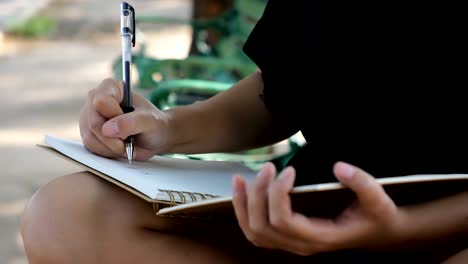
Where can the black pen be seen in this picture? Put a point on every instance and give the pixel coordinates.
(127, 23)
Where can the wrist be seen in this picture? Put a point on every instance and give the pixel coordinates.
(177, 133)
(436, 219)
(389, 236)
(410, 231)
(401, 228)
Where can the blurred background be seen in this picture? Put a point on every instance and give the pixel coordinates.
(52, 52)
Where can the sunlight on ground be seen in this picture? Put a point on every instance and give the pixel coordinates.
(1, 42)
(171, 43)
(6, 47)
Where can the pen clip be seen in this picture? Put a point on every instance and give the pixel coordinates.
(128, 10)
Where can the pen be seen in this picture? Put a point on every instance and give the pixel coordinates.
(127, 33)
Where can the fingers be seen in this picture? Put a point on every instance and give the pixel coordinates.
(96, 121)
(282, 228)
(252, 215)
(106, 98)
(257, 230)
(103, 117)
(257, 200)
(279, 202)
(282, 216)
(239, 200)
(132, 123)
(370, 193)
(93, 144)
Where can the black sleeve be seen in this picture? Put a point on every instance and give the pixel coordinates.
(287, 44)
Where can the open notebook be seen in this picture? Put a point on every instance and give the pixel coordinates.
(161, 179)
(200, 188)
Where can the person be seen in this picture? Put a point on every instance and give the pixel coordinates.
(375, 90)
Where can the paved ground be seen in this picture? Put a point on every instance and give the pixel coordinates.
(44, 83)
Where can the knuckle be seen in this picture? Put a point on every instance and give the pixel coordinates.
(95, 124)
(112, 85)
(122, 125)
(251, 237)
(383, 206)
(99, 102)
(244, 225)
(254, 239)
(385, 210)
(258, 229)
(107, 82)
(302, 252)
(327, 243)
(87, 139)
(116, 146)
(257, 243)
(91, 93)
(298, 252)
(279, 222)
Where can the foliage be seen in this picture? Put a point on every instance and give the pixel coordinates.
(35, 27)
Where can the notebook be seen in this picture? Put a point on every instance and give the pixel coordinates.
(180, 187)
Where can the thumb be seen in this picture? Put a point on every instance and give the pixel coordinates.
(125, 125)
(370, 193)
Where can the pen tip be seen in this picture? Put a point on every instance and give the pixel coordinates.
(129, 149)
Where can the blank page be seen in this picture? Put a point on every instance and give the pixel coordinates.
(159, 173)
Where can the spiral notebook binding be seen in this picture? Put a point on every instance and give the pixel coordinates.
(172, 194)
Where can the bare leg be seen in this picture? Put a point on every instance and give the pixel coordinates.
(81, 218)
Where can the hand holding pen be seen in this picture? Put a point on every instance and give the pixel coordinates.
(127, 32)
(113, 118)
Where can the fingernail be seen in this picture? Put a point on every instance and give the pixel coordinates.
(111, 128)
(346, 170)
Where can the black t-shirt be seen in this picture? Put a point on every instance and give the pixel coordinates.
(377, 84)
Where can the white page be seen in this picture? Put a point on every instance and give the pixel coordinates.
(159, 173)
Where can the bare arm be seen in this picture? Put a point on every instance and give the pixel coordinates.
(443, 218)
(233, 120)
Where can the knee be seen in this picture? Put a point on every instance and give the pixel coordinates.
(57, 217)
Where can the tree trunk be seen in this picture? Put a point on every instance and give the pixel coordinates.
(203, 9)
